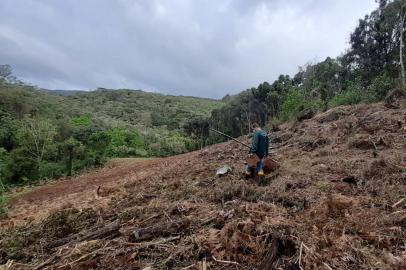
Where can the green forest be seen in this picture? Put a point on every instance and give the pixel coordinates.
(46, 135)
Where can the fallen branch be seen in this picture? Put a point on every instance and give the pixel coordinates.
(398, 212)
(9, 263)
(188, 267)
(158, 230)
(226, 262)
(204, 264)
(148, 244)
(399, 202)
(329, 268)
(13, 265)
(149, 218)
(305, 246)
(76, 261)
(300, 256)
(109, 231)
(208, 220)
(45, 263)
(373, 143)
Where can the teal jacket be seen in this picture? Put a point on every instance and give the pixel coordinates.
(260, 144)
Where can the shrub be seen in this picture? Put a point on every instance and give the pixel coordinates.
(141, 152)
(82, 121)
(355, 94)
(3, 163)
(380, 87)
(3, 201)
(124, 142)
(296, 102)
(4, 160)
(50, 170)
(20, 168)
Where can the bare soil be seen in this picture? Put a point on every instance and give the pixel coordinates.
(338, 201)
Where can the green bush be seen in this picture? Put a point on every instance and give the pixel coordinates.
(4, 160)
(141, 152)
(20, 168)
(3, 167)
(7, 130)
(380, 87)
(3, 202)
(295, 102)
(50, 170)
(93, 158)
(121, 151)
(124, 143)
(82, 121)
(355, 94)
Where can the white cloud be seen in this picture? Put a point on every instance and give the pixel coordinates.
(190, 47)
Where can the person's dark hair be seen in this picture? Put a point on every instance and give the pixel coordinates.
(255, 125)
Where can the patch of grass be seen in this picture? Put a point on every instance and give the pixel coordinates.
(323, 186)
(7, 196)
(3, 204)
(3, 200)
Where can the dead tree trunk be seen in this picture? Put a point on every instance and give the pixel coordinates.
(402, 66)
(159, 230)
(247, 116)
(108, 232)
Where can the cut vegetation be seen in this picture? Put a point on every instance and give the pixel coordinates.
(332, 204)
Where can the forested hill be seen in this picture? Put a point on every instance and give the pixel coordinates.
(63, 92)
(143, 109)
(44, 134)
(107, 107)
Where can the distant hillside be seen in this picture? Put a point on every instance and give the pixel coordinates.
(143, 109)
(63, 92)
(109, 107)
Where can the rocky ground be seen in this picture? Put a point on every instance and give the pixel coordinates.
(338, 201)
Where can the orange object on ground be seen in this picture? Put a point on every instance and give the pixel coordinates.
(270, 164)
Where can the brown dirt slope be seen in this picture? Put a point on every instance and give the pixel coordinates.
(338, 201)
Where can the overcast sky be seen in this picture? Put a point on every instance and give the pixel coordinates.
(204, 48)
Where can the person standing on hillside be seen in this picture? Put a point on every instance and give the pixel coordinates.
(259, 147)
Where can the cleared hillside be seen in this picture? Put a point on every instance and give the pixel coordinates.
(337, 202)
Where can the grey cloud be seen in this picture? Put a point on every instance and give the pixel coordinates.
(189, 47)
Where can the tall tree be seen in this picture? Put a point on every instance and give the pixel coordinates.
(6, 74)
(72, 148)
(402, 18)
(377, 43)
(36, 136)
